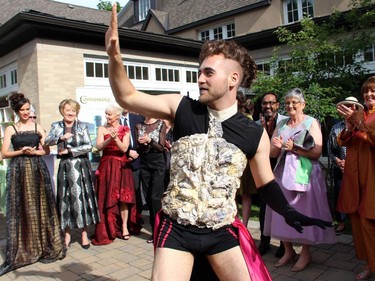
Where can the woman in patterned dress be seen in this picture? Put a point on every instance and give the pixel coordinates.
(30, 200)
(114, 182)
(76, 199)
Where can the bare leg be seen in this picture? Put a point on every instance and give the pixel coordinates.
(68, 238)
(230, 265)
(171, 265)
(288, 255)
(303, 260)
(124, 210)
(85, 239)
(246, 208)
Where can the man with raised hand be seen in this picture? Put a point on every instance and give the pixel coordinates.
(212, 142)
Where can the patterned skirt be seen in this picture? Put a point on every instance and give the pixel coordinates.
(76, 198)
(33, 228)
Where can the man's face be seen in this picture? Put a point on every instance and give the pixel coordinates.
(213, 79)
(269, 106)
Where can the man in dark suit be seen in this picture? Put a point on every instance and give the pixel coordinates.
(131, 120)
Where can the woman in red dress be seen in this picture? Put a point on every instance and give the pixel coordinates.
(114, 182)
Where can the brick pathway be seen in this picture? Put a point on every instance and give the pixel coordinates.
(132, 261)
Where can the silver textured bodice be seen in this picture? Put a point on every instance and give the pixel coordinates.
(205, 175)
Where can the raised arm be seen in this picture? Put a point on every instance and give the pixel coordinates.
(160, 106)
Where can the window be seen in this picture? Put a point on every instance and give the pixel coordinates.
(144, 6)
(231, 31)
(220, 32)
(264, 68)
(191, 76)
(96, 69)
(167, 74)
(13, 77)
(369, 54)
(3, 81)
(338, 59)
(137, 72)
(8, 79)
(205, 35)
(295, 10)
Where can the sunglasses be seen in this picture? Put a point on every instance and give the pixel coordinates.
(32, 117)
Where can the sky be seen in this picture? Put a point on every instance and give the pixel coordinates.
(90, 3)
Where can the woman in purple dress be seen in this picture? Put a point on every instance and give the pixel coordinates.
(297, 142)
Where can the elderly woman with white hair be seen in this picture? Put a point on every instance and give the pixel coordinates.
(114, 182)
(297, 142)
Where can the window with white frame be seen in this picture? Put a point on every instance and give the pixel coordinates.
(191, 76)
(219, 32)
(8, 79)
(13, 77)
(167, 74)
(264, 68)
(143, 7)
(96, 69)
(3, 81)
(231, 31)
(205, 35)
(369, 54)
(295, 10)
(137, 72)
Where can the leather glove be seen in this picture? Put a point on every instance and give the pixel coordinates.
(297, 220)
(274, 197)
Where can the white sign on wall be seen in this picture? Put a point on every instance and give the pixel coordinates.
(93, 103)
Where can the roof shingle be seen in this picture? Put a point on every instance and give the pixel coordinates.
(9, 8)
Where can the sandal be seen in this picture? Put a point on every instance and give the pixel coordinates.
(126, 237)
(363, 275)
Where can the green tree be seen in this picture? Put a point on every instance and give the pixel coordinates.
(324, 59)
(107, 5)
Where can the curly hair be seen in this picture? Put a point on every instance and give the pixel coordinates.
(233, 51)
(17, 100)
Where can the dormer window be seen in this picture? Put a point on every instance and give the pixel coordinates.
(220, 32)
(295, 10)
(143, 7)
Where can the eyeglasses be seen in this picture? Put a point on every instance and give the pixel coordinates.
(293, 103)
(271, 103)
(32, 117)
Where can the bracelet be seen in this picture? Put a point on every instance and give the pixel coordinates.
(295, 148)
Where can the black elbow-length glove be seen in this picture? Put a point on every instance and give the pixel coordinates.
(274, 197)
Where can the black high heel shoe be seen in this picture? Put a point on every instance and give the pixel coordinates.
(87, 246)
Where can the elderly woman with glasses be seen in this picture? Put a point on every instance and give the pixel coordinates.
(297, 142)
